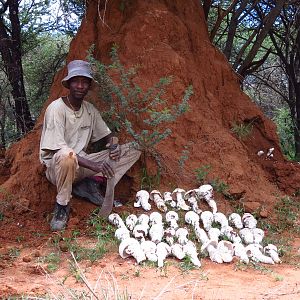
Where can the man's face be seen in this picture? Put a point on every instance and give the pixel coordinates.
(79, 86)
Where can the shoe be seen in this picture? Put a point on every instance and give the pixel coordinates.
(88, 189)
(60, 217)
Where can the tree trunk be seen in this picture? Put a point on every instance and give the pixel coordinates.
(10, 48)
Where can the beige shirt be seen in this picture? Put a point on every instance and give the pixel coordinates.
(62, 128)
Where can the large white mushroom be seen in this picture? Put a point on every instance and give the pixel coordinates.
(211, 248)
(226, 250)
(246, 236)
(131, 221)
(221, 219)
(116, 220)
(156, 233)
(178, 196)
(155, 218)
(191, 218)
(254, 253)
(235, 220)
(172, 218)
(205, 192)
(149, 249)
(191, 197)
(249, 221)
(157, 198)
(231, 234)
(190, 250)
(177, 251)
(162, 251)
(258, 235)
(272, 251)
(240, 252)
(122, 233)
(169, 235)
(169, 199)
(142, 200)
(131, 247)
(181, 235)
(214, 234)
(207, 219)
(201, 234)
(140, 232)
(143, 219)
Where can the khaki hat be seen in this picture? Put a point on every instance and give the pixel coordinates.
(77, 68)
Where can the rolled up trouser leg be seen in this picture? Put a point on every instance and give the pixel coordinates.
(62, 172)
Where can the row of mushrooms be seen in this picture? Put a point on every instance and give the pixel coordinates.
(156, 236)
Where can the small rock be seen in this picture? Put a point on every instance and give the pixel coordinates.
(27, 259)
(37, 253)
(63, 246)
(264, 213)
(252, 207)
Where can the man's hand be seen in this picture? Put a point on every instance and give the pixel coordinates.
(114, 148)
(98, 167)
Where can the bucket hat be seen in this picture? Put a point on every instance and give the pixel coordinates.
(77, 68)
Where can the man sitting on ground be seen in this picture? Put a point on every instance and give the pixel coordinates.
(70, 125)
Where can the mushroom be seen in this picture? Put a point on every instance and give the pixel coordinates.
(191, 218)
(206, 192)
(156, 233)
(122, 233)
(140, 232)
(221, 219)
(149, 249)
(177, 251)
(211, 248)
(172, 218)
(143, 220)
(231, 235)
(116, 220)
(258, 235)
(178, 195)
(190, 250)
(260, 152)
(157, 198)
(271, 250)
(270, 153)
(155, 218)
(214, 234)
(142, 200)
(240, 252)
(181, 234)
(169, 234)
(246, 236)
(254, 253)
(235, 220)
(207, 218)
(169, 199)
(131, 247)
(131, 221)
(201, 234)
(190, 196)
(226, 251)
(162, 251)
(249, 221)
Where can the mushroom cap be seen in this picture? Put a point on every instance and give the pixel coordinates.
(155, 215)
(155, 192)
(191, 217)
(142, 193)
(171, 215)
(124, 244)
(190, 193)
(168, 196)
(178, 190)
(205, 188)
(143, 218)
(226, 245)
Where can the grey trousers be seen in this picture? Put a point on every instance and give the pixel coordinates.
(63, 169)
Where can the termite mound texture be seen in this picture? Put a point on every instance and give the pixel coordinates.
(170, 38)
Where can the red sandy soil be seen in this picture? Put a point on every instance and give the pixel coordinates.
(164, 38)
